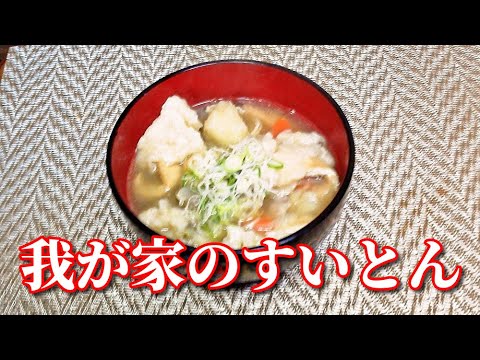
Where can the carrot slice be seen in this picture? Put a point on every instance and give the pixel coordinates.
(263, 224)
(280, 125)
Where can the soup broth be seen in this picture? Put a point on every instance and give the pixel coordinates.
(231, 172)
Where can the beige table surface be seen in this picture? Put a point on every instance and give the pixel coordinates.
(414, 112)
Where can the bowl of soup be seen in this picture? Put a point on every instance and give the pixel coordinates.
(232, 152)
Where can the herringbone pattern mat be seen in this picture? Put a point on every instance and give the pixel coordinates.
(415, 117)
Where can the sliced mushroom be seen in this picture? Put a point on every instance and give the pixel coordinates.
(169, 175)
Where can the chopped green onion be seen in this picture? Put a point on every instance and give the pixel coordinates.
(221, 160)
(231, 180)
(233, 163)
(213, 178)
(213, 228)
(203, 203)
(189, 179)
(274, 164)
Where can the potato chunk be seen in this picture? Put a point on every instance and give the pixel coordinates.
(224, 126)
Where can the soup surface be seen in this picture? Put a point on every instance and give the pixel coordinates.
(230, 172)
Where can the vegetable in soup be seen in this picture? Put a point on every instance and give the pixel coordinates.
(230, 172)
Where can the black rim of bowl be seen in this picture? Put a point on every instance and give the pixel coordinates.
(299, 233)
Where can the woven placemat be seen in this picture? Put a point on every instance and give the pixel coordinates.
(414, 112)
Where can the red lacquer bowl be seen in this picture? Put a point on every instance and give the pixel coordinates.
(234, 79)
